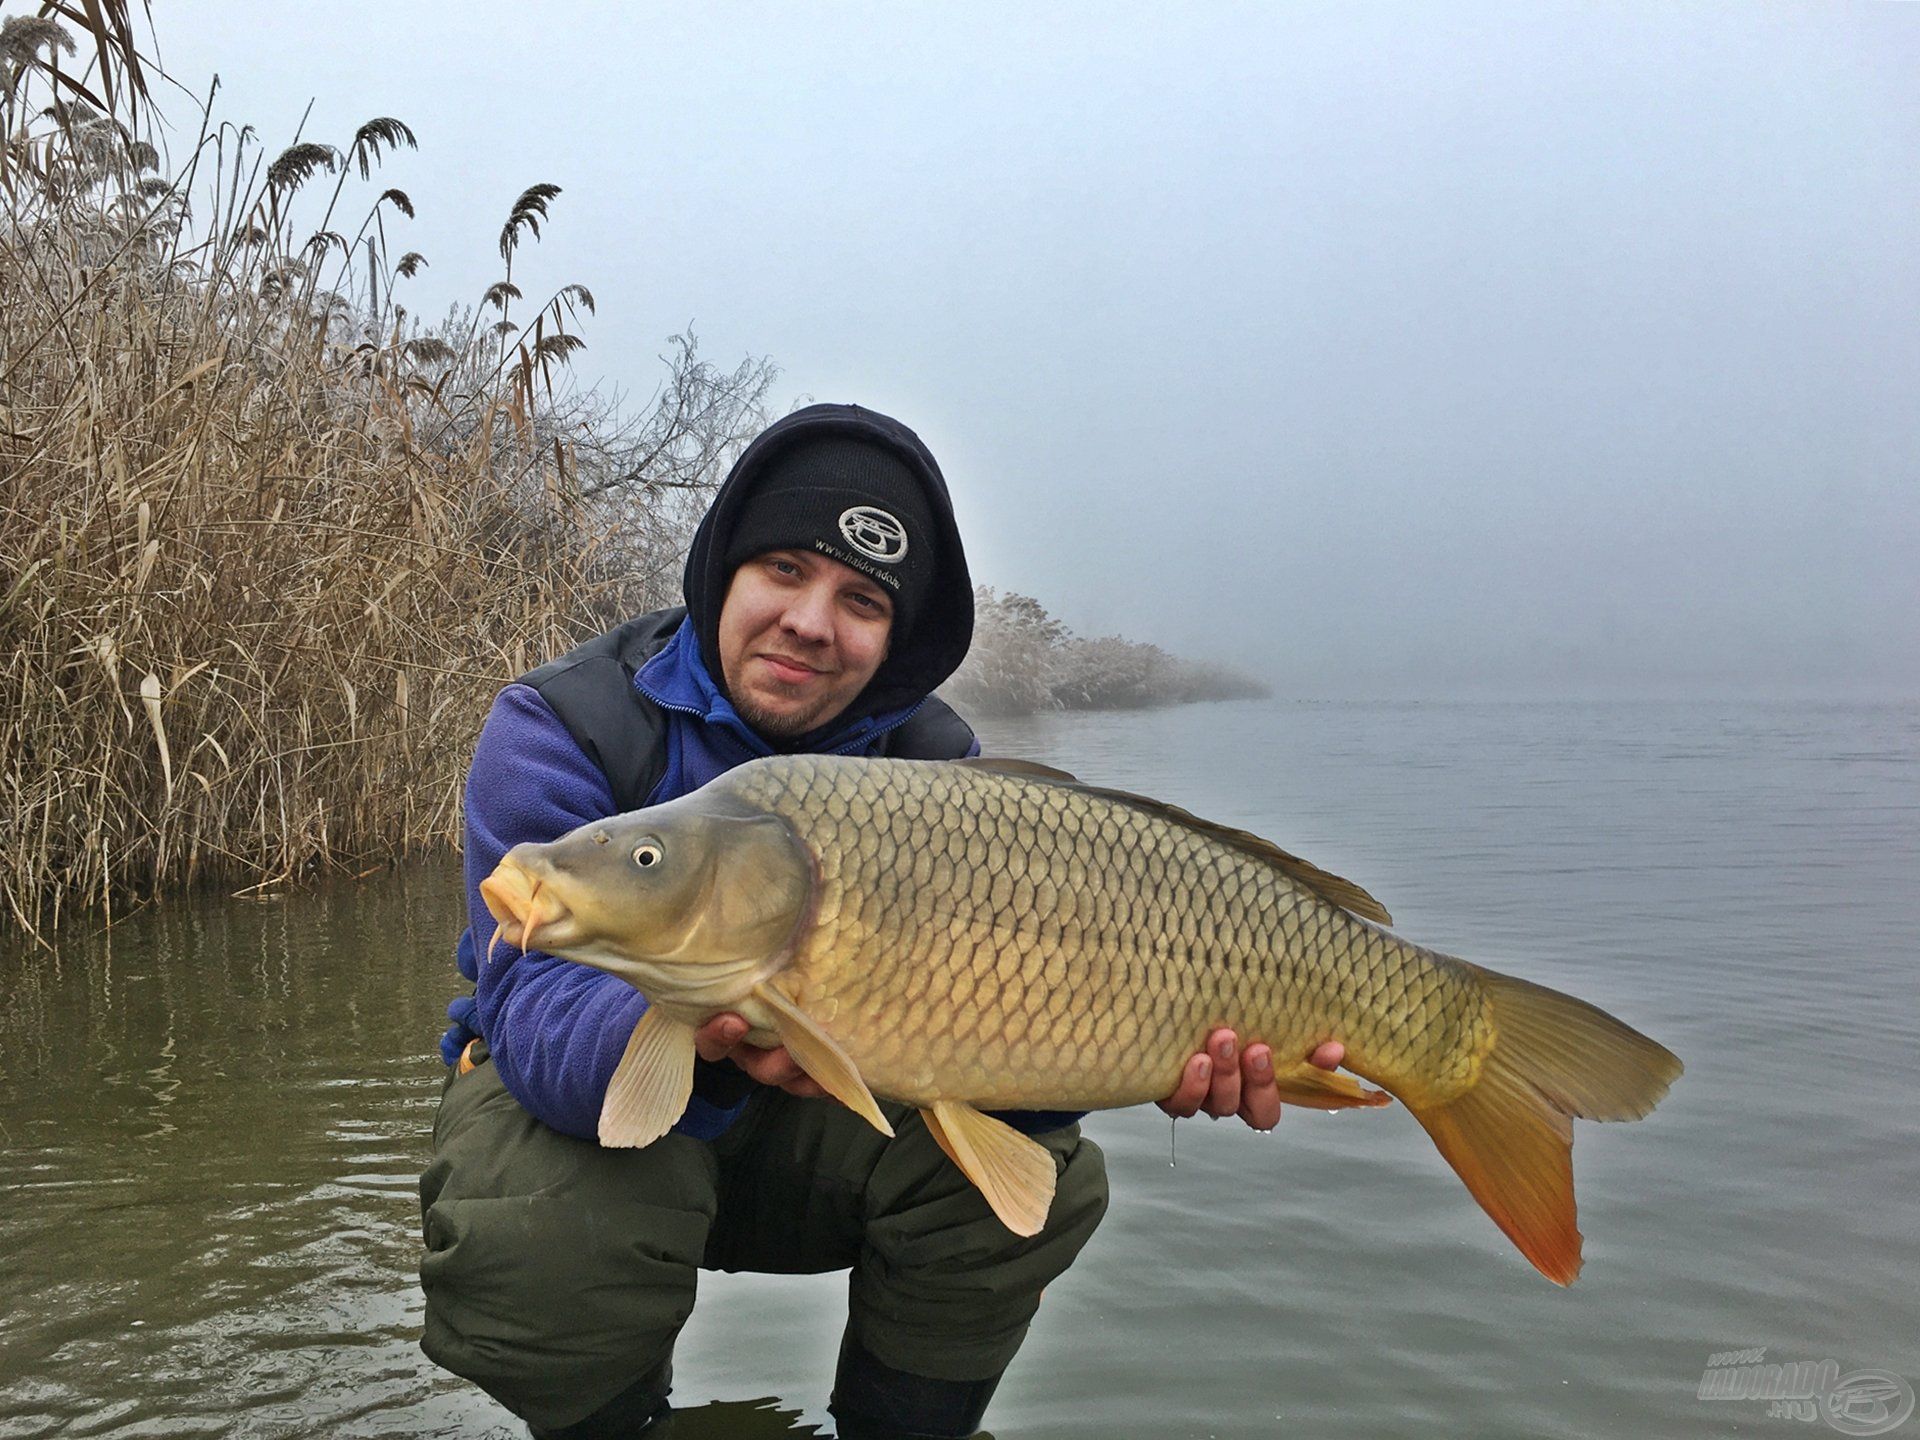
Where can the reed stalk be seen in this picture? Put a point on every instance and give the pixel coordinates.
(268, 544)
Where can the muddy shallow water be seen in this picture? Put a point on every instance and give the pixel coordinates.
(212, 1118)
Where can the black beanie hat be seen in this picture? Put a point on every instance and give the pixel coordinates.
(850, 500)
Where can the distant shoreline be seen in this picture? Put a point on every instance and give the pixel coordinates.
(1025, 662)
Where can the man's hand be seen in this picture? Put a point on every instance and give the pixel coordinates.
(1214, 1083)
(723, 1037)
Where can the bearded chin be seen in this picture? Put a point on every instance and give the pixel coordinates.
(776, 727)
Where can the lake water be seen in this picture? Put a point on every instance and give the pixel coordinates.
(212, 1119)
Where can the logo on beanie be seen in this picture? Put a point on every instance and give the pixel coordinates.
(874, 533)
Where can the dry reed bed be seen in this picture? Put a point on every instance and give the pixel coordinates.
(267, 551)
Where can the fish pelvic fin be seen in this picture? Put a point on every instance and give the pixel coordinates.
(817, 1053)
(1014, 1172)
(1510, 1136)
(650, 1086)
(1307, 1084)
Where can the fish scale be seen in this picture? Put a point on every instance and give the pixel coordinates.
(991, 935)
(1136, 893)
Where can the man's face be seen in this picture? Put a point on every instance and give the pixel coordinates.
(800, 637)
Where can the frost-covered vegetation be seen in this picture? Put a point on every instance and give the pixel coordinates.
(268, 543)
(1024, 660)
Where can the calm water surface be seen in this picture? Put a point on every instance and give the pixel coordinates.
(212, 1119)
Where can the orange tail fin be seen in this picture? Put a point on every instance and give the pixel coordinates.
(1510, 1137)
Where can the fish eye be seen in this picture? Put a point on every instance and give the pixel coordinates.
(648, 853)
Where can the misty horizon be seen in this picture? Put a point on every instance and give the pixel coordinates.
(1375, 352)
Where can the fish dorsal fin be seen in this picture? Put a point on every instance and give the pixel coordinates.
(1328, 886)
(650, 1086)
(1027, 769)
(815, 1052)
(1013, 1171)
(1332, 888)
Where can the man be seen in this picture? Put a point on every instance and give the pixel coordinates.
(827, 594)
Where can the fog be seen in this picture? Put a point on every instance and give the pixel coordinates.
(1401, 350)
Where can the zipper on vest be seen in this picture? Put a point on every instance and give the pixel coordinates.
(885, 730)
(848, 748)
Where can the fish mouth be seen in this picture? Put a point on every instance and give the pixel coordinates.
(524, 905)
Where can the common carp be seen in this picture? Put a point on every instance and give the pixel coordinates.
(992, 934)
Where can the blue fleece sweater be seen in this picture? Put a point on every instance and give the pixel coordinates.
(556, 1029)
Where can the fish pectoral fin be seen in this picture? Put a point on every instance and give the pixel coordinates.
(1307, 1084)
(650, 1086)
(820, 1056)
(1014, 1172)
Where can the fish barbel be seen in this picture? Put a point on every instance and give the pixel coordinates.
(992, 934)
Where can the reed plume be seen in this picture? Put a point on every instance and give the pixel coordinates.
(268, 545)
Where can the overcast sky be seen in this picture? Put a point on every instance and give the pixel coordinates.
(1383, 349)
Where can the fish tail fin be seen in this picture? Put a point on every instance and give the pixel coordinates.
(1510, 1135)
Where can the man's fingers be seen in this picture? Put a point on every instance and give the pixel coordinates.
(1259, 1095)
(1185, 1100)
(1223, 1081)
(722, 1037)
(778, 1067)
(1223, 1096)
(715, 1039)
(1329, 1055)
(769, 1067)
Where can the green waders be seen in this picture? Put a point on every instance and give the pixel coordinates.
(558, 1272)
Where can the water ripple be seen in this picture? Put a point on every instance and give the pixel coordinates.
(214, 1118)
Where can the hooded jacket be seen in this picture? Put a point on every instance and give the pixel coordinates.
(940, 636)
(636, 717)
